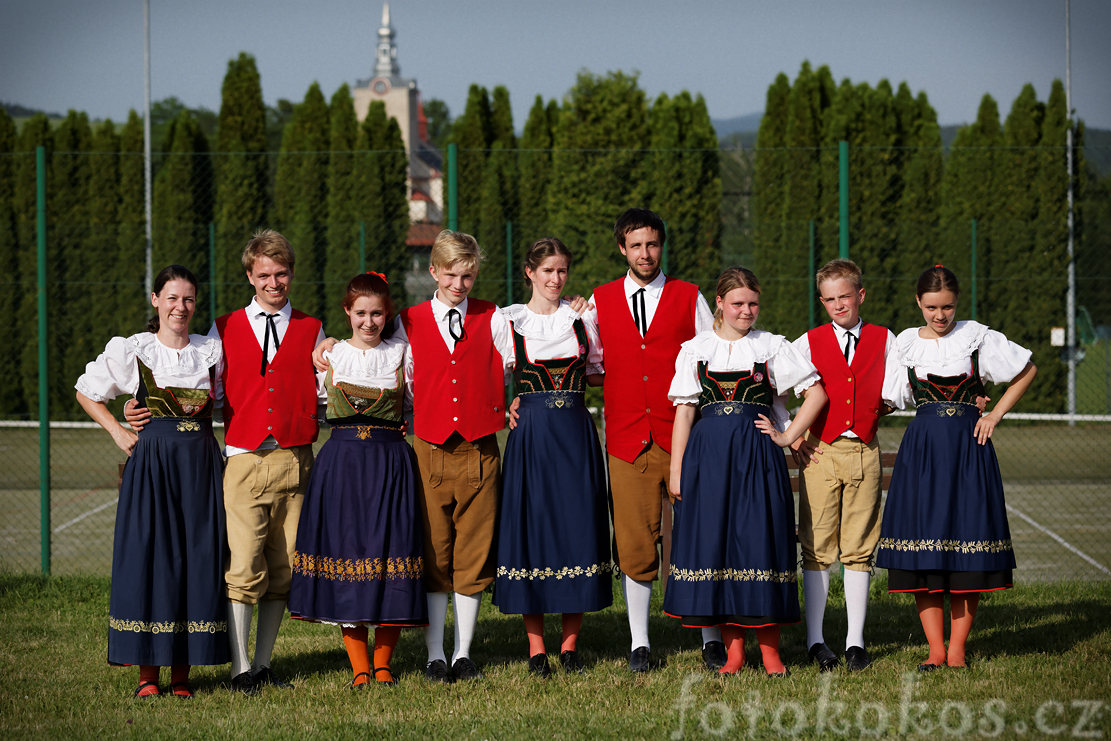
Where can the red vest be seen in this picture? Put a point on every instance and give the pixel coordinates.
(461, 391)
(854, 391)
(639, 369)
(283, 402)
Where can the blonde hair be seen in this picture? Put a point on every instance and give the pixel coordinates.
(267, 243)
(455, 247)
(837, 269)
(732, 279)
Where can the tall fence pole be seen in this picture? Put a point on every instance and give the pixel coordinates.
(1070, 298)
(974, 293)
(509, 390)
(362, 246)
(452, 186)
(44, 402)
(810, 281)
(664, 251)
(843, 168)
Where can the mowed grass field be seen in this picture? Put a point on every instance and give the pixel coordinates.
(1057, 479)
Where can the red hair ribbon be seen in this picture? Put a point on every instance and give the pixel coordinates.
(371, 272)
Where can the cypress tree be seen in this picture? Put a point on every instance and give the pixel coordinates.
(74, 274)
(132, 304)
(13, 284)
(685, 182)
(498, 203)
(182, 207)
(599, 144)
(769, 181)
(99, 246)
(301, 197)
(346, 195)
(536, 171)
(241, 176)
(472, 134)
(387, 213)
(34, 133)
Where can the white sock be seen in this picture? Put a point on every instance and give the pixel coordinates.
(466, 617)
(856, 605)
(711, 634)
(239, 633)
(815, 590)
(270, 614)
(434, 633)
(638, 597)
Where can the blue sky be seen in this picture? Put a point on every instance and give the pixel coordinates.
(88, 55)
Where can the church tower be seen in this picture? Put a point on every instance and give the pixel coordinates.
(402, 98)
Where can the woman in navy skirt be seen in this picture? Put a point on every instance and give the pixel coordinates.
(167, 604)
(359, 540)
(733, 561)
(553, 521)
(944, 524)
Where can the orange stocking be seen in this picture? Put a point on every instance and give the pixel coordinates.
(355, 641)
(768, 638)
(534, 627)
(734, 638)
(148, 675)
(962, 611)
(385, 639)
(572, 624)
(931, 611)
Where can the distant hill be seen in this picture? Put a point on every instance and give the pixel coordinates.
(741, 132)
(17, 111)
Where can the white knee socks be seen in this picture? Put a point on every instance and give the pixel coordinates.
(856, 605)
(434, 633)
(270, 614)
(815, 591)
(638, 596)
(710, 634)
(466, 617)
(239, 632)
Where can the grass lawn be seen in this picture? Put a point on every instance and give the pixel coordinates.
(1040, 659)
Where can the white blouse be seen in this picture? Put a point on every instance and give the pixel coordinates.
(115, 371)
(951, 355)
(551, 336)
(787, 368)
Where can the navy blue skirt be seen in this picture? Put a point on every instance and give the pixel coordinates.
(553, 544)
(359, 540)
(168, 602)
(733, 558)
(945, 521)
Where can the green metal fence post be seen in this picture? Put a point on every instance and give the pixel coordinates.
(452, 186)
(974, 302)
(810, 278)
(362, 247)
(843, 160)
(509, 389)
(44, 402)
(212, 270)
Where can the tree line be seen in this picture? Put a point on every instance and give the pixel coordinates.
(331, 184)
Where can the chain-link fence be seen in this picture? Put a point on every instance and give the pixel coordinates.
(991, 215)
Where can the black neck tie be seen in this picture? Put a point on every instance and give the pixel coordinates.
(850, 340)
(270, 327)
(640, 316)
(455, 325)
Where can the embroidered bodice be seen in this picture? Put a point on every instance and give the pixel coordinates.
(555, 374)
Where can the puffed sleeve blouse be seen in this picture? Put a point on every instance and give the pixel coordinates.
(115, 371)
(1000, 360)
(787, 368)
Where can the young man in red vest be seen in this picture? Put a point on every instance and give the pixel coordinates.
(642, 319)
(460, 351)
(841, 474)
(270, 410)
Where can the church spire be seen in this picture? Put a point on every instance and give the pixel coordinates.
(385, 64)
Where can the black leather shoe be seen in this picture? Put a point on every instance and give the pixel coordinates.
(464, 668)
(827, 660)
(571, 662)
(361, 685)
(857, 658)
(244, 683)
(713, 655)
(266, 676)
(538, 666)
(929, 667)
(639, 660)
(436, 671)
(780, 675)
(389, 680)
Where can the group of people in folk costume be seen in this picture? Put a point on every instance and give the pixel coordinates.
(378, 533)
